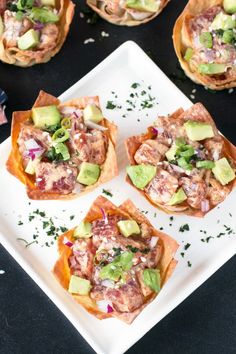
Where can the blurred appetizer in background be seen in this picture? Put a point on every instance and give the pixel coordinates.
(3, 98)
(62, 150)
(205, 42)
(32, 32)
(182, 164)
(128, 12)
(114, 262)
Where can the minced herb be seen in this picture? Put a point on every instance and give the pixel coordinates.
(189, 264)
(72, 217)
(63, 229)
(110, 105)
(117, 251)
(182, 254)
(135, 85)
(20, 223)
(105, 191)
(133, 249)
(184, 227)
(187, 246)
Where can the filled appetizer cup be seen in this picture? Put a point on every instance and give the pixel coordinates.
(204, 40)
(128, 12)
(182, 163)
(32, 32)
(114, 263)
(62, 150)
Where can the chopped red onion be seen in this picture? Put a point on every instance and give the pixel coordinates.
(155, 130)
(67, 242)
(205, 205)
(33, 149)
(93, 125)
(77, 113)
(105, 306)
(73, 262)
(108, 283)
(38, 26)
(109, 309)
(153, 241)
(104, 216)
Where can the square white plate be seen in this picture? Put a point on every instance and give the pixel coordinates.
(127, 65)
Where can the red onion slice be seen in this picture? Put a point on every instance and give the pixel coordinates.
(67, 242)
(105, 306)
(104, 216)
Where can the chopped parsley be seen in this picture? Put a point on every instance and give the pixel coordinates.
(135, 85)
(117, 251)
(105, 191)
(111, 105)
(189, 264)
(72, 217)
(187, 246)
(20, 223)
(133, 249)
(182, 254)
(184, 227)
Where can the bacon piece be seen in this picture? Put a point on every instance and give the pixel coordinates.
(195, 190)
(162, 187)
(150, 152)
(55, 178)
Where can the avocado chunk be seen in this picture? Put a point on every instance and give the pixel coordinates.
(79, 285)
(141, 175)
(1, 26)
(229, 6)
(29, 40)
(198, 130)
(228, 37)
(143, 5)
(223, 171)
(152, 278)
(206, 39)
(178, 197)
(212, 68)
(48, 3)
(92, 113)
(44, 117)
(223, 21)
(128, 227)
(83, 230)
(188, 54)
(31, 165)
(88, 174)
(170, 154)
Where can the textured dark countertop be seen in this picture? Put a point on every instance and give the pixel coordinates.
(29, 322)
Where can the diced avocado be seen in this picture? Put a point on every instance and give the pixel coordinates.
(212, 68)
(92, 113)
(229, 6)
(170, 154)
(197, 131)
(31, 165)
(188, 54)
(83, 230)
(88, 174)
(1, 26)
(79, 285)
(223, 21)
(128, 227)
(223, 171)
(141, 175)
(44, 117)
(152, 279)
(143, 5)
(178, 197)
(205, 39)
(29, 40)
(48, 3)
(228, 37)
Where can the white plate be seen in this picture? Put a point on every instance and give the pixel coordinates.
(127, 65)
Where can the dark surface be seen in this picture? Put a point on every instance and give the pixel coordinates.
(29, 321)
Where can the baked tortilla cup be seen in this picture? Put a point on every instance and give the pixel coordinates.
(165, 247)
(24, 58)
(111, 11)
(15, 165)
(183, 39)
(212, 192)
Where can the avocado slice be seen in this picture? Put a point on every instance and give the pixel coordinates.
(197, 131)
(143, 5)
(178, 197)
(83, 230)
(88, 174)
(44, 117)
(223, 21)
(223, 171)
(229, 6)
(79, 285)
(29, 40)
(1, 26)
(48, 3)
(212, 68)
(141, 175)
(92, 113)
(128, 227)
(170, 154)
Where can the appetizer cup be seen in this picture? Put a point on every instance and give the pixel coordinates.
(128, 12)
(62, 150)
(182, 164)
(204, 39)
(32, 32)
(114, 263)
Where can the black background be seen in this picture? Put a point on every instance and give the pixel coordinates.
(29, 321)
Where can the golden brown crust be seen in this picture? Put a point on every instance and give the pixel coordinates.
(109, 169)
(182, 40)
(197, 112)
(26, 58)
(127, 209)
(125, 19)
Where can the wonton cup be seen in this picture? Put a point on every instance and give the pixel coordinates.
(14, 162)
(182, 40)
(166, 264)
(25, 58)
(122, 18)
(196, 113)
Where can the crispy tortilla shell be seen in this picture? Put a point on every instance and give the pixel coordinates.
(109, 169)
(182, 40)
(26, 58)
(167, 262)
(124, 18)
(198, 113)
